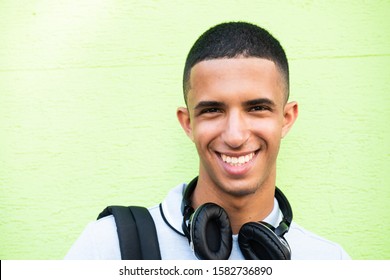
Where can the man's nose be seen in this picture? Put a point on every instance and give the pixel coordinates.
(236, 132)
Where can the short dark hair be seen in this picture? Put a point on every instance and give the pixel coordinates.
(234, 39)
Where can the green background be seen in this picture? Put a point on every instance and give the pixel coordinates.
(89, 90)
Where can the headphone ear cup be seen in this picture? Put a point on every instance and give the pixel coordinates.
(211, 233)
(258, 241)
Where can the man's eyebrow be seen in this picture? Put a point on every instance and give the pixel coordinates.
(259, 101)
(207, 104)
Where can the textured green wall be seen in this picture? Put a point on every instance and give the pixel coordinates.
(89, 89)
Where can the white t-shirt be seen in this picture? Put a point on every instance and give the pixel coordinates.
(99, 240)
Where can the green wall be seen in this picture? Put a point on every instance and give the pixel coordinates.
(89, 89)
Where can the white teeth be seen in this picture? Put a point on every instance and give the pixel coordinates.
(237, 161)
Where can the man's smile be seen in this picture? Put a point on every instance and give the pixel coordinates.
(237, 164)
(237, 160)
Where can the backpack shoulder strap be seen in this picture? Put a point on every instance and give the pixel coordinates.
(136, 232)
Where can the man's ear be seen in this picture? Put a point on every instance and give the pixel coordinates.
(290, 115)
(183, 115)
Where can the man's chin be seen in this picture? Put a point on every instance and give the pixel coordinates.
(240, 190)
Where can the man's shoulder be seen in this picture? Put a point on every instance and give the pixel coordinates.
(308, 245)
(98, 240)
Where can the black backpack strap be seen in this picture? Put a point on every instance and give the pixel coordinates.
(136, 232)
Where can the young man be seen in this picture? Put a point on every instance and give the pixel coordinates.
(236, 90)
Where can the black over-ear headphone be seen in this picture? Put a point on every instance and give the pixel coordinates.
(210, 235)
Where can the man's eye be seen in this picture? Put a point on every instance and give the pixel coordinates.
(210, 110)
(259, 108)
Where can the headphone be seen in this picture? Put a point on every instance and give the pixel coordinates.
(210, 235)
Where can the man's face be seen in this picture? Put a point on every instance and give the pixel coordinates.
(237, 115)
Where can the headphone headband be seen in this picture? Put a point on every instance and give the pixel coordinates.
(285, 207)
(187, 193)
(186, 209)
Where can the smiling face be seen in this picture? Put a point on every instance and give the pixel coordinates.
(236, 116)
